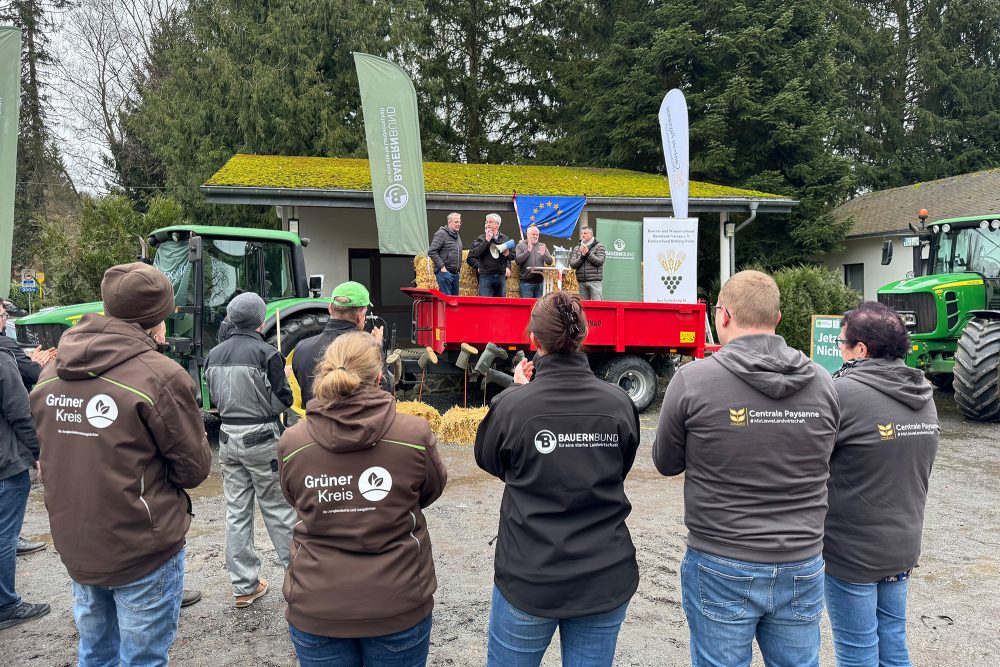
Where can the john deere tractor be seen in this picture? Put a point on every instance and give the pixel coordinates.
(208, 266)
(952, 308)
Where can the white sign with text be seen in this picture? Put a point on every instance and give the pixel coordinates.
(670, 260)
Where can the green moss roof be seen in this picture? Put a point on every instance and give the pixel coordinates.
(275, 171)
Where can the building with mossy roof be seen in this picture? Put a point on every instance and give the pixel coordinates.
(330, 201)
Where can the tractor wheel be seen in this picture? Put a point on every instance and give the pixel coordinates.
(942, 381)
(633, 374)
(977, 370)
(296, 328)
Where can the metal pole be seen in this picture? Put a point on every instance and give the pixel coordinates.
(724, 272)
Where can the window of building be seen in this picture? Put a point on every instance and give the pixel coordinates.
(854, 276)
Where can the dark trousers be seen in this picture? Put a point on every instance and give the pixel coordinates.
(531, 290)
(448, 282)
(13, 500)
(492, 284)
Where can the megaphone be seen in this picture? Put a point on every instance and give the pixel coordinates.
(496, 250)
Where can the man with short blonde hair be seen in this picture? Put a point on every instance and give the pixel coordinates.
(752, 428)
(752, 299)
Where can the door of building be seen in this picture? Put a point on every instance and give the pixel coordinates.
(384, 275)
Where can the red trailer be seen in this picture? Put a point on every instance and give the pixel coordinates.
(628, 343)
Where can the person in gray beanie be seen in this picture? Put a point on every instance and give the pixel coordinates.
(246, 379)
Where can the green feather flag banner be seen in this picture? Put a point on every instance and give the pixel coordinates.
(10, 87)
(392, 129)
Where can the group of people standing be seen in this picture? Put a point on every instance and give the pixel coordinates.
(801, 491)
(492, 252)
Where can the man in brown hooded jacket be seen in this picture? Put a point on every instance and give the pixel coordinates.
(121, 437)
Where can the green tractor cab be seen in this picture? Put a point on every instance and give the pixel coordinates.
(951, 306)
(207, 267)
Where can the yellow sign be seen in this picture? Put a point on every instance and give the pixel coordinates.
(687, 336)
(40, 277)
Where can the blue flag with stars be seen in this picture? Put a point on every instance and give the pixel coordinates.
(555, 216)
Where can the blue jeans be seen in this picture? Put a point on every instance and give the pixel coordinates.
(519, 639)
(133, 624)
(869, 622)
(729, 602)
(13, 500)
(408, 648)
(492, 284)
(448, 282)
(531, 290)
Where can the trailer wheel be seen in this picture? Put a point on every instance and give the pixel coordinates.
(977, 370)
(296, 328)
(633, 374)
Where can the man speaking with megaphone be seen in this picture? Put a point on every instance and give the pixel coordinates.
(489, 257)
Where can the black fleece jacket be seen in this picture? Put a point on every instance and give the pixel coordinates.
(563, 445)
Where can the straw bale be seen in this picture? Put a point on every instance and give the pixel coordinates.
(459, 425)
(420, 409)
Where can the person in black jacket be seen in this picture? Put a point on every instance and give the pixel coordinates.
(562, 444)
(18, 454)
(29, 368)
(492, 266)
(349, 305)
(879, 475)
(246, 378)
(445, 252)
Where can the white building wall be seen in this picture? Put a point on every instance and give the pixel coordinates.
(869, 252)
(333, 232)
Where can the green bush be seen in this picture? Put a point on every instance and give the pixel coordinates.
(808, 291)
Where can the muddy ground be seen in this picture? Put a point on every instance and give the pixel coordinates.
(954, 609)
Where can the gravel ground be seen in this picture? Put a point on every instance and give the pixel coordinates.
(954, 610)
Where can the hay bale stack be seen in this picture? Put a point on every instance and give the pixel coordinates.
(459, 425)
(420, 409)
(423, 268)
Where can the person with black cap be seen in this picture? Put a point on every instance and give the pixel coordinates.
(349, 305)
(121, 439)
(246, 378)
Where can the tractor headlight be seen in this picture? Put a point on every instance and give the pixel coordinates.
(909, 319)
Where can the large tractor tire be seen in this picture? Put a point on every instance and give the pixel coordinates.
(977, 370)
(633, 374)
(296, 328)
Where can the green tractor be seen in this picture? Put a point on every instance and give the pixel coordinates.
(208, 266)
(951, 306)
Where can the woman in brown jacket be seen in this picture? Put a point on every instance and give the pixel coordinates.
(361, 581)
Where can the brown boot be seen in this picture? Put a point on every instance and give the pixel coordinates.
(247, 600)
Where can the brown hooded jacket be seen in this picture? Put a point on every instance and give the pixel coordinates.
(121, 437)
(358, 475)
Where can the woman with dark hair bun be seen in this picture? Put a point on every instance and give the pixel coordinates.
(562, 444)
(879, 474)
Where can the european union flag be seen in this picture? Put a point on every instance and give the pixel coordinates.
(555, 216)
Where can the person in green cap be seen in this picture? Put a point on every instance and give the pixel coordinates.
(348, 307)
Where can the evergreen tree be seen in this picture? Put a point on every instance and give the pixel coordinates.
(763, 93)
(255, 77)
